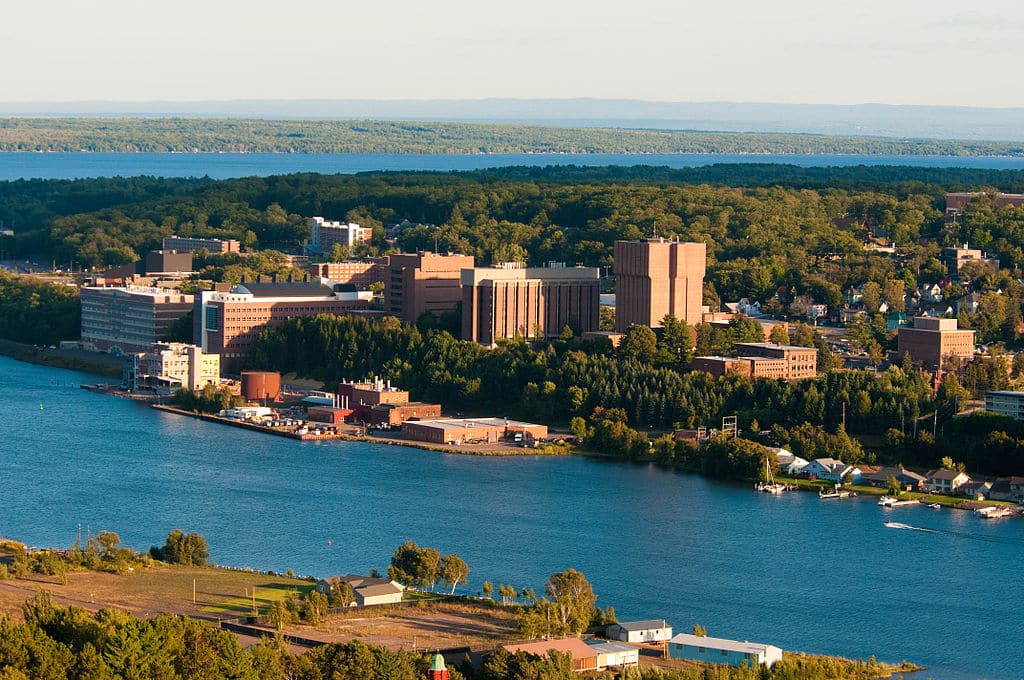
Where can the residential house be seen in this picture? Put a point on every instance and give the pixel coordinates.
(931, 293)
(650, 630)
(584, 658)
(976, 490)
(368, 590)
(831, 470)
(909, 481)
(947, 482)
(789, 464)
(1007, 489)
(614, 654)
(717, 650)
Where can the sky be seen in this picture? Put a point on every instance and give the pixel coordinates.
(791, 51)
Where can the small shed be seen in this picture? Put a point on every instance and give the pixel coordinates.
(614, 654)
(651, 630)
(718, 650)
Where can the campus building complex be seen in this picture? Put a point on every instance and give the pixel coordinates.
(171, 365)
(129, 319)
(932, 341)
(424, 282)
(657, 277)
(360, 273)
(214, 246)
(326, 233)
(228, 322)
(511, 300)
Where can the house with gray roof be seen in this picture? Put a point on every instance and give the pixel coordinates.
(650, 630)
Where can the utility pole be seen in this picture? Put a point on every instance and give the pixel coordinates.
(193, 591)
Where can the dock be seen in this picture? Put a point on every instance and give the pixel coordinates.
(280, 432)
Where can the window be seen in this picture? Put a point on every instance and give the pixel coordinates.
(700, 650)
(725, 652)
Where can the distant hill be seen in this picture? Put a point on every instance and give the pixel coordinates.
(927, 122)
(423, 137)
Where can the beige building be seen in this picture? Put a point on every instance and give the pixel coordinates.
(129, 319)
(797, 362)
(748, 366)
(424, 282)
(932, 341)
(657, 277)
(511, 300)
(176, 364)
(325, 233)
(457, 431)
(186, 244)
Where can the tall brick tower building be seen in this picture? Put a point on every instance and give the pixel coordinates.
(656, 277)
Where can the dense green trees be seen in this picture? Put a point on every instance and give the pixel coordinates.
(38, 312)
(180, 548)
(423, 567)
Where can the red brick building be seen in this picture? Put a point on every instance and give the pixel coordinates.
(515, 301)
(657, 277)
(932, 341)
(359, 273)
(424, 282)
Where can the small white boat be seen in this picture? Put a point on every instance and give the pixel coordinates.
(886, 501)
(770, 485)
(934, 506)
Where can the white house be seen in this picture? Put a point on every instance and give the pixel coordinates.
(614, 653)
(831, 470)
(367, 590)
(789, 464)
(652, 630)
(717, 650)
(945, 481)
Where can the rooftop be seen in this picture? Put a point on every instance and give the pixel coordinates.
(574, 646)
(646, 624)
(719, 643)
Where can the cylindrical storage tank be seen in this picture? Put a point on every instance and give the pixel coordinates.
(261, 385)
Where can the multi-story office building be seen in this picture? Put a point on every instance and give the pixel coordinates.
(186, 244)
(655, 278)
(514, 301)
(129, 319)
(360, 273)
(956, 200)
(932, 341)
(799, 362)
(325, 233)
(1006, 403)
(424, 282)
(167, 262)
(956, 258)
(174, 364)
(228, 322)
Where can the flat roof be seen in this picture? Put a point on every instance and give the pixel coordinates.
(610, 646)
(646, 624)
(446, 423)
(772, 345)
(719, 643)
(1005, 393)
(574, 646)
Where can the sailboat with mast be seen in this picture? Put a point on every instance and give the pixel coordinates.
(769, 485)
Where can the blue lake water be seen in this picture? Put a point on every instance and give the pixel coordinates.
(228, 165)
(824, 577)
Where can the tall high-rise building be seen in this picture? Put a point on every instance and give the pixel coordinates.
(657, 277)
(932, 341)
(511, 300)
(424, 282)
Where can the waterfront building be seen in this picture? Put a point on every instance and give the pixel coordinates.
(947, 482)
(718, 650)
(457, 431)
(424, 282)
(214, 246)
(378, 403)
(798, 362)
(228, 322)
(1006, 402)
(167, 366)
(584, 658)
(932, 341)
(650, 630)
(367, 589)
(831, 470)
(359, 273)
(907, 479)
(511, 300)
(611, 654)
(129, 319)
(326, 233)
(657, 277)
